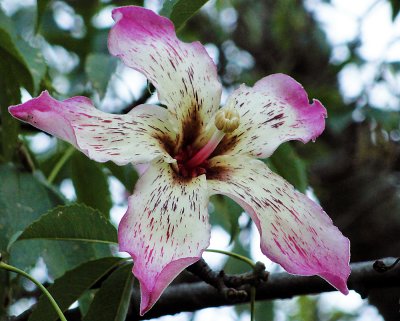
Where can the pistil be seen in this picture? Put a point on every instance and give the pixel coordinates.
(226, 121)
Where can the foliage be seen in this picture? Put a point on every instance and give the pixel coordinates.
(353, 169)
(179, 11)
(61, 223)
(69, 287)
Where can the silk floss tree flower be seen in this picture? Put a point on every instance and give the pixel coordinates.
(195, 149)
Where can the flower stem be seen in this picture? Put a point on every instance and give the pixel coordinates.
(61, 162)
(40, 286)
(234, 255)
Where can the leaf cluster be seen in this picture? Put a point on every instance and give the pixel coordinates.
(353, 169)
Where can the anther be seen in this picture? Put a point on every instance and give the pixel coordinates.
(227, 120)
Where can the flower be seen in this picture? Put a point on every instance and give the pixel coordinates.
(196, 149)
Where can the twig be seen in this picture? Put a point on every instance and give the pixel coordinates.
(232, 287)
(381, 267)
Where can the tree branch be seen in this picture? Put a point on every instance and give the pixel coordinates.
(189, 297)
(196, 296)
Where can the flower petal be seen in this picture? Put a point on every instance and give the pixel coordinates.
(165, 228)
(274, 111)
(295, 231)
(137, 137)
(184, 74)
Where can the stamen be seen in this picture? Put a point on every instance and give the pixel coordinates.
(207, 150)
(226, 121)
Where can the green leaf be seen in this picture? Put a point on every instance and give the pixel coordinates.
(235, 266)
(241, 247)
(179, 11)
(226, 214)
(69, 288)
(40, 9)
(264, 310)
(10, 95)
(8, 37)
(34, 62)
(307, 309)
(395, 8)
(22, 200)
(20, 66)
(61, 256)
(99, 69)
(73, 223)
(25, 56)
(86, 300)
(111, 301)
(127, 174)
(286, 163)
(90, 183)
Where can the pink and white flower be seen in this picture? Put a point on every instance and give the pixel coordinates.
(196, 149)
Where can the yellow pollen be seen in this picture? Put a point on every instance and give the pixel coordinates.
(227, 120)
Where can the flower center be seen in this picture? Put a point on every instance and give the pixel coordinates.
(191, 162)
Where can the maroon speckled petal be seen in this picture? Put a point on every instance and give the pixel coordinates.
(274, 111)
(133, 138)
(184, 74)
(165, 228)
(295, 231)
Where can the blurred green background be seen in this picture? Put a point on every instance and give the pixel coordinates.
(352, 169)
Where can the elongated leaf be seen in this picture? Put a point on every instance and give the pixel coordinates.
(99, 69)
(34, 62)
(8, 37)
(27, 58)
(23, 198)
(85, 301)
(287, 164)
(395, 8)
(10, 94)
(70, 287)
(111, 302)
(91, 184)
(73, 223)
(40, 8)
(179, 11)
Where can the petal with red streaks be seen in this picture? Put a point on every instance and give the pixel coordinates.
(137, 137)
(295, 231)
(165, 228)
(183, 73)
(274, 111)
